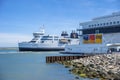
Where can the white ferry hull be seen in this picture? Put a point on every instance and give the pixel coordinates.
(40, 47)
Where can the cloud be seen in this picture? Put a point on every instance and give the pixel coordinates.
(10, 39)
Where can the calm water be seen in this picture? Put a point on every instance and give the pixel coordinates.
(16, 65)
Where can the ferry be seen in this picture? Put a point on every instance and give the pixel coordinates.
(42, 42)
(100, 35)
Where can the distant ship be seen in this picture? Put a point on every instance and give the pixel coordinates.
(42, 42)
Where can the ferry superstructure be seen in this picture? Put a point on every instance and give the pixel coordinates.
(100, 35)
(42, 42)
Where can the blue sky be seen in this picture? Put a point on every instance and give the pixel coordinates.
(20, 18)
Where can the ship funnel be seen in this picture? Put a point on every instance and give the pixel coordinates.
(74, 34)
(64, 34)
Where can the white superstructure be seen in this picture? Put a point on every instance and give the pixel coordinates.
(42, 42)
(100, 35)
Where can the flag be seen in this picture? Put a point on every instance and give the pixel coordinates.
(92, 38)
(86, 39)
(98, 38)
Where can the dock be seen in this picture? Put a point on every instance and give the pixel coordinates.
(52, 59)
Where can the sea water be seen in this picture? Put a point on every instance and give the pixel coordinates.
(15, 65)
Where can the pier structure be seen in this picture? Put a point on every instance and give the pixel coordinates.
(52, 59)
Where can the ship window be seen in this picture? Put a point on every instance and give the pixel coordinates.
(95, 25)
(98, 24)
(50, 36)
(96, 31)
(42, 41)
(47, 36)
(114, 22)
(118, 22)
(55, 36)
(103, 23)
(89, 25)
(32, 41)
(110, 22)
(107, 23)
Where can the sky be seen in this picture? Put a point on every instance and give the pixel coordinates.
(20, 18)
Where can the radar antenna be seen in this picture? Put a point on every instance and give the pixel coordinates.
(42, 31)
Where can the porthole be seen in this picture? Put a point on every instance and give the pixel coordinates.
(107, 23)
(103, 23)
(118, 22)
(95, 25)
(114, 22)
(89, 25)
(110, 22)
